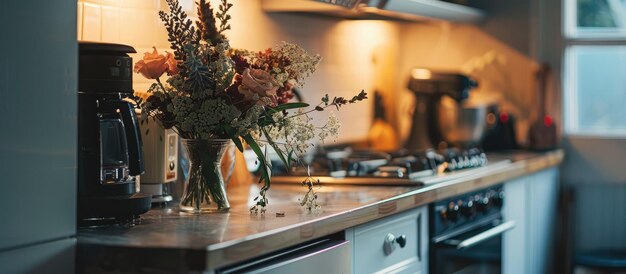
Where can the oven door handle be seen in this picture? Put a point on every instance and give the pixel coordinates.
(483, 236)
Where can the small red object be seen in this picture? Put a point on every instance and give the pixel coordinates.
(504, 117)
(547, 120)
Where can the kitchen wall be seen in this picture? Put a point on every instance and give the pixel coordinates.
(349, 48)
(370, 55)
(505, 75)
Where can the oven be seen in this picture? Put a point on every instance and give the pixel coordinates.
(466, 233)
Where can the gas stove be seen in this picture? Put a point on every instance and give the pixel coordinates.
(364, 167)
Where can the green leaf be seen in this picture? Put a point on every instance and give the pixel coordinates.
(259, 153)
(230, 131)
(290, 155)
(288, 106)
(238, 143)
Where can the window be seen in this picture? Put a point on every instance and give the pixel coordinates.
(595, 67)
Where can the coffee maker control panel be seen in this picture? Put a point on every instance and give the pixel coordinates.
(172, 156)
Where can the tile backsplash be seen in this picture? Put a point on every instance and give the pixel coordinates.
(370, 55)
(132, 22)
(347, 47)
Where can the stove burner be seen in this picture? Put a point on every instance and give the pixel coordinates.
(402, 166)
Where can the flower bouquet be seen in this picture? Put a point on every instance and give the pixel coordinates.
(216, 95)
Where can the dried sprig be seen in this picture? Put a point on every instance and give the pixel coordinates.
(309, 201)
(224, 16)
(180, 31)
(206, 24)
(340, 101)
(261, 202)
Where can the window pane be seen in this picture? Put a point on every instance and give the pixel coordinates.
(596, 18)
(596, 90)
(594, 13)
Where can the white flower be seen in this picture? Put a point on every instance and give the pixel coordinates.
(330, 129)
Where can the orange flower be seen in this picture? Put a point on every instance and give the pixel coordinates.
(172, 64)
(153, 65)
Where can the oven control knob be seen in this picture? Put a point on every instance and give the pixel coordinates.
(498, 199)
(452, 213)
(483, 205)
(468, 210)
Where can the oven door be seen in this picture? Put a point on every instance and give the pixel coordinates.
(477, 251)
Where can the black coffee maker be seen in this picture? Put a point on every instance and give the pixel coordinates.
(109, 140)
(430, 88)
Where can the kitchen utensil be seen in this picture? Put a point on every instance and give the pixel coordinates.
(381, 136)
(542, 133)
(439, 119)
(109, 140)
(462, 124)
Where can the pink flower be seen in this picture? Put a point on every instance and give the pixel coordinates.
(256, 84)
(153, 65)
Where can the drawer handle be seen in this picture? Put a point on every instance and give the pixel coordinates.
(390, 243)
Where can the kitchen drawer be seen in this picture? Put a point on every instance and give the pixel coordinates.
(370, 239)
(324, 256)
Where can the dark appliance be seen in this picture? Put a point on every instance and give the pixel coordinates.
(500, 133)
(466, 233)
(542, 134)
(430, 90)
(109, 141)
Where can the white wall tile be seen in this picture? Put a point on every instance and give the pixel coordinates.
(79, 21)
(160, 34)
(92, 22)
(141, 4)
(138, 27)
(111, 24)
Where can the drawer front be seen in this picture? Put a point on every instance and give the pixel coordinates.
(371, 240)
(333, 259)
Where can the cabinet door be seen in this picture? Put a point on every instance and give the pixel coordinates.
(542, 211)
(38, 78)
(531, 202)
(372, 239)
(51, 257)
(327, 257)
(514, 243)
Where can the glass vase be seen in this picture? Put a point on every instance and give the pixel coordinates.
(205, 188)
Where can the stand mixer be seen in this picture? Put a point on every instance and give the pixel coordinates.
(439, 118)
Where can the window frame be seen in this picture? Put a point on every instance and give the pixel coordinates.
(572, 39)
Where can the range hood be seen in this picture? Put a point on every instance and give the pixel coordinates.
(405, 10)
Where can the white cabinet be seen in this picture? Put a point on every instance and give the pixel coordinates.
(332, 259)
(322, 256)
(395, 244)
(531, 202)
(514, 259)
(542, 215)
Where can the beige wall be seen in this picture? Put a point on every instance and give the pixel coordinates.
(347, 47)
(370, 55)
(504, 75)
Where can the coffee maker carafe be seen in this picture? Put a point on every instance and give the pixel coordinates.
(432, 91)
(109, 140)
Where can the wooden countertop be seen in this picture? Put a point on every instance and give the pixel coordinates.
(198, 242)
